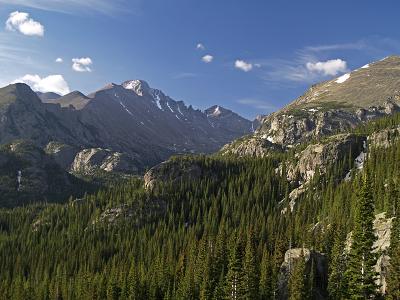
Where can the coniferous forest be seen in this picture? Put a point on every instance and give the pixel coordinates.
(223, 235)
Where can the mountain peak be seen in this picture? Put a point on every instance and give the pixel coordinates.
(216, 111)
(137, 85)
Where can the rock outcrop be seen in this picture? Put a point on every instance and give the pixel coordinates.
(384, 138)
(251, 146)
(88, 161)
(313, 259)
(319, 156)
(172, 170)
(40, 175)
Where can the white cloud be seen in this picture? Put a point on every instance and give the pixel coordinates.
(51, 83)
(200, 46)
(20, 21)
(330, 67)
(256, 103)
(207, 58)
(59, 60)
(82, 64)
(242, 65)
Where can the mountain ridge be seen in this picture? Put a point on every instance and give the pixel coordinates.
(144, 123)
(332, 106)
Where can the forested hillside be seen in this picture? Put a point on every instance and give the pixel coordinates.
(220, 235)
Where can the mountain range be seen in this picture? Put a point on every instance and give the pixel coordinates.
(130, 120)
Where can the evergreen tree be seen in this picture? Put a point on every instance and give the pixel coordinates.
(337, 267)
(265, 277)
(360, 274)
(250, 269)
(234, 279)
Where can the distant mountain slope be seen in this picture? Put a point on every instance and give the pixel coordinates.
(41, 177)
(131, 118)
(329, 107)
(49, 96)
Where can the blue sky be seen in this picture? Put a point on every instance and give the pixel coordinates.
(255, 56)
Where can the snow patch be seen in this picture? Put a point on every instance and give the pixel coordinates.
(179, 110)
(126, 109)
(268, 138)
(156, 97)
(313, 110)
(365, 66)
(170, 107)
(343, 78)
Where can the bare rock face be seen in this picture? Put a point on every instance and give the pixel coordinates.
(63, 154)
(293, 127)
(312, 259)
(384, 138)
(319, 156)
(250, 146)
(171, 170)
(39, 174)
(90, 160)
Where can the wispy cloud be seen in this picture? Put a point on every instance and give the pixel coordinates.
(358, 45)
(184, 75)
(13, 52)
(315, 63)
(257, 103)
(107, 7)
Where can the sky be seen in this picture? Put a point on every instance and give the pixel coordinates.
(253, 57)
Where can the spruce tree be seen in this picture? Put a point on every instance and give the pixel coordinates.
(360, 273)
(337, 267)
(234, 278)
(250, 268)
(265, 277)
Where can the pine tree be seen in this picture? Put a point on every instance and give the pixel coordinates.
(133, 284)
(360, 274)
(265, 277)
(337, 267)
(250, 268)
(393, 280)
(234, 278)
